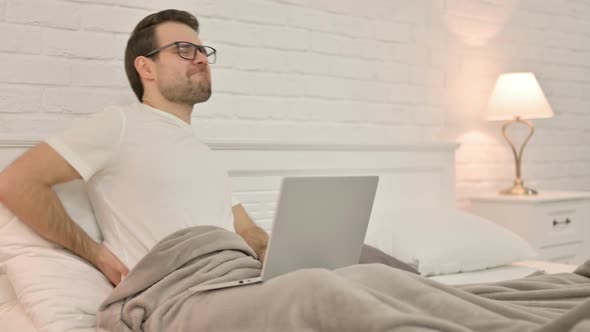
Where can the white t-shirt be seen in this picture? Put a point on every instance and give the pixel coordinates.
(148, 175)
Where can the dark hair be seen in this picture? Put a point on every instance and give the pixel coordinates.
(143, 40)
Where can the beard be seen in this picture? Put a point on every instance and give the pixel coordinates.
(185, 91)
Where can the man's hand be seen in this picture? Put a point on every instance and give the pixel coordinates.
(262, 255)
(26, 190)
(109, 265)
(255, 236)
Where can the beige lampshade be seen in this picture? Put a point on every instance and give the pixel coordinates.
(518, 95)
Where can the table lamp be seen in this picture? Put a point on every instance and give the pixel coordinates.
(516, 98)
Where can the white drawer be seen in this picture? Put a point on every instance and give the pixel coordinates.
(564, 253)
(561, 223)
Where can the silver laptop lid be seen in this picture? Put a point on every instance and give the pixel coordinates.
(319, 222)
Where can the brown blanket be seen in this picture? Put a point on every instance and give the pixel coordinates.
(155, 296)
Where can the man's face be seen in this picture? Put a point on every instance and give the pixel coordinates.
(179, 80)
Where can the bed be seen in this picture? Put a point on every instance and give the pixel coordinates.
(417, 186)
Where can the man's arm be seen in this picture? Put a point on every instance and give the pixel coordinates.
(25, 189)
(255, 236)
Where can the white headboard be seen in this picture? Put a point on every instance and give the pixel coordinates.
(414, 175)
(411, 175)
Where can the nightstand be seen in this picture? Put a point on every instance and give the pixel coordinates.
(555, 223)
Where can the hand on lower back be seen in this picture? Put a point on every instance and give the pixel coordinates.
(110, 265)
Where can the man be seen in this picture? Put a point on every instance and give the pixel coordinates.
(148, 174)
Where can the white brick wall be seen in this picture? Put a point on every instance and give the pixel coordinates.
(28, 39)
(34, 69)
(375, 71)
(49, 13)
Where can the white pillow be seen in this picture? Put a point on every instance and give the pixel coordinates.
(442, 241)
(58, 290)
(12, 314)
(17, 238)
(14, 318)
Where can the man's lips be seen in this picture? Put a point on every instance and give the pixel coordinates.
(196, 71)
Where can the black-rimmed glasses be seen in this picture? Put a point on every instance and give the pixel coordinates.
(189, 51)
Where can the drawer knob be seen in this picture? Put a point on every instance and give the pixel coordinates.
(567, 221)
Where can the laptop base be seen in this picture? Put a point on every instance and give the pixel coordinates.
(226, 284)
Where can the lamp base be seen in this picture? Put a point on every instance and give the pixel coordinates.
(518, 189)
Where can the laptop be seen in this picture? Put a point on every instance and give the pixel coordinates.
(320, 222)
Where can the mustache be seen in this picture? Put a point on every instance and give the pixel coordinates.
(197, 70)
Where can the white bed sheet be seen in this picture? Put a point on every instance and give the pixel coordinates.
(500, 273)
(515, 270)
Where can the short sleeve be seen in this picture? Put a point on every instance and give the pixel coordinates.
(91, 143)
(234, 200)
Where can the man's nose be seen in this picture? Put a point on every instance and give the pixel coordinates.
(200, 59)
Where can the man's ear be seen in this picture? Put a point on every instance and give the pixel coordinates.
(144, 67)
